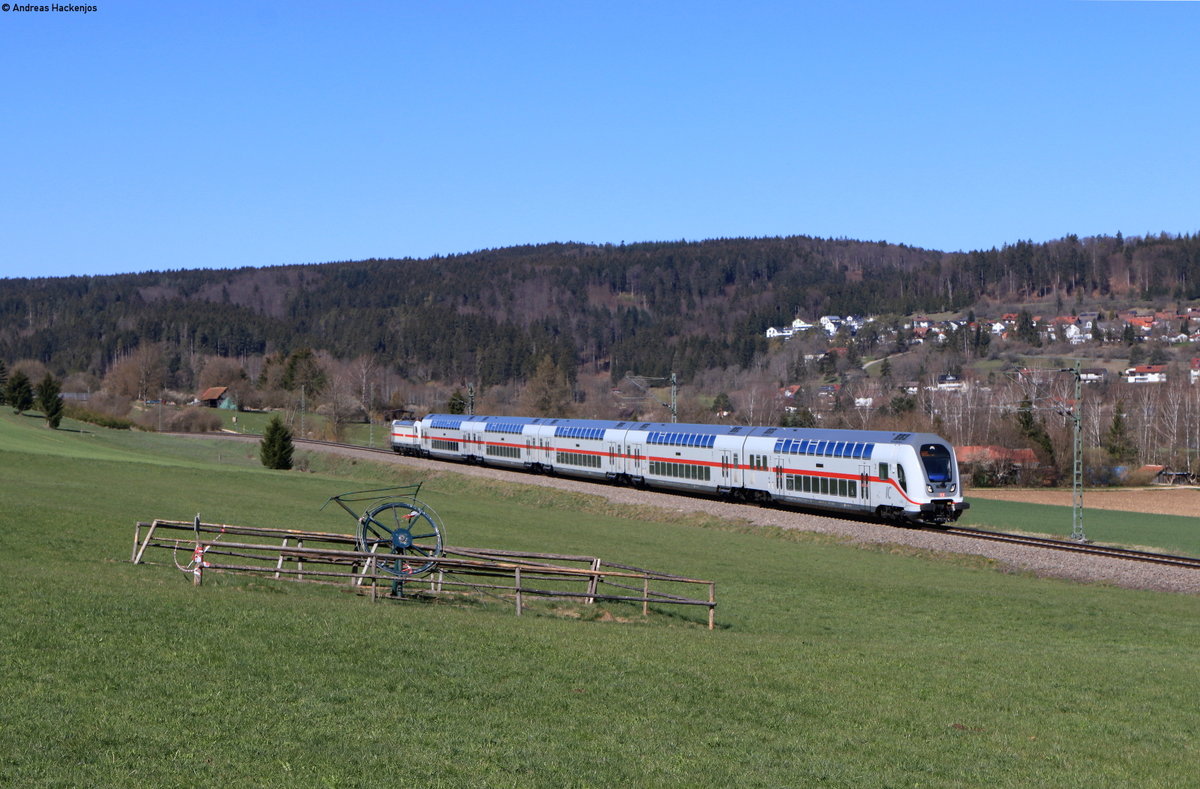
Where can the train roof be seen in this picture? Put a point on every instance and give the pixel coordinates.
(515, 423)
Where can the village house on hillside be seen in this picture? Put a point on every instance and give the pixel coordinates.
(1146, 374)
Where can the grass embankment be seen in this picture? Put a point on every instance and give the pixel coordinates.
(832, 665)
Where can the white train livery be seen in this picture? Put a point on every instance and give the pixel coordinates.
(895, 476)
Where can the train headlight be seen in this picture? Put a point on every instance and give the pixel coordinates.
(953, 487)
(929, 489)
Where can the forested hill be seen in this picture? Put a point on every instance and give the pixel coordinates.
(490, 316)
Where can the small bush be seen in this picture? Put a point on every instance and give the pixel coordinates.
(97, 418)
(194, 420)
(109, 404)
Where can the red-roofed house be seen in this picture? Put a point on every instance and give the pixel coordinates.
(1146, 374)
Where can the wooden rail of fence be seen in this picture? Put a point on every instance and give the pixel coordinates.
(329, 558)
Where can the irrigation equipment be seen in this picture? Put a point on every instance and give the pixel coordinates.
(400, 526)
(397, 552)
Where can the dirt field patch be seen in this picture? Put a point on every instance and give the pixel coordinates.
(1154, 501)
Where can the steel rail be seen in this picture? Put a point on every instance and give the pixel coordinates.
(1092, 549)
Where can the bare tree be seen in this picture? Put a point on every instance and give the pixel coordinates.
(139, 375)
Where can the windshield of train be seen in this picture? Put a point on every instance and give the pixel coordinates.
(936, 459)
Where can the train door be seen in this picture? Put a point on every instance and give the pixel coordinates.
(637, 460)
(726, 466)
(614, 453)
(777, 467)
(864, 484)
(529, 449)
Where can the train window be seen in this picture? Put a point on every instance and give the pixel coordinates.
(867, 451)
(841, 449)
(825, 485)
(856, 451)
(808, 484)
(900, 478)
(843, 487)
(936, 459)
(883, 471)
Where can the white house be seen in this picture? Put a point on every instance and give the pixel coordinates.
(1146, 374)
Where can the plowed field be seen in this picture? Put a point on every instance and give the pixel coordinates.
(1156, 501)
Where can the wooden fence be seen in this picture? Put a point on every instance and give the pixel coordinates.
(324, 557)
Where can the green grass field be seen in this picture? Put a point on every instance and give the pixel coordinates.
(832, 665)
(1167, 533)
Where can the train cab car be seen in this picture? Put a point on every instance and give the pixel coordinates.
(406, 437)
(897, 476)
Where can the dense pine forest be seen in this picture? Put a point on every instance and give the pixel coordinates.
(491, 316)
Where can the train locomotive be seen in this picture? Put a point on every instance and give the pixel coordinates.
(909, 477)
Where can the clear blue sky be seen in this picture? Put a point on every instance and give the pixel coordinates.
(211, 134)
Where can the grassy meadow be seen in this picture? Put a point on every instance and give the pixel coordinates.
(1166, 533)
(832, 665)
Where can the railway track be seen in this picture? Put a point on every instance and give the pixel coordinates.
(1075, 547)
(1047, 543)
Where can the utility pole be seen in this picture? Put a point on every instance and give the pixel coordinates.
(302, 410)
(1075, 414)
(643, 384)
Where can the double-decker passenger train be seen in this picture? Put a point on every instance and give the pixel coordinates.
(895, 476)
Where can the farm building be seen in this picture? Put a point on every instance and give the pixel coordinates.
(218, 397)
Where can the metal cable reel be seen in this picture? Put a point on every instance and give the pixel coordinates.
(405, 533)
(411, 532)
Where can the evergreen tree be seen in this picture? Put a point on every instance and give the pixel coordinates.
(1032, 428)
(457, 403)
(801, 417)
(276, 448)
(302, 369)
(19, 392)
(49, 400)
(1027, 330)
(1117, 441)
(548, 392)
(722, 404)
